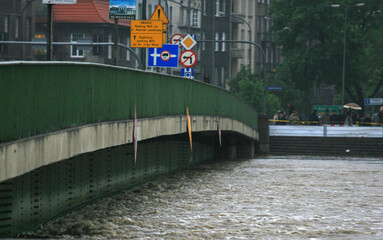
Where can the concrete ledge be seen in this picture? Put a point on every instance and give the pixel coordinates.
(24, 155)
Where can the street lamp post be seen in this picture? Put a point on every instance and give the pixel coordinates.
(248, 25)
(309, 60)
(344, 46)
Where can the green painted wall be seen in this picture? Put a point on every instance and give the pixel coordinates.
(44, 97)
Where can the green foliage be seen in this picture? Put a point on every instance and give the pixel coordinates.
(249, 86)
(324, 26)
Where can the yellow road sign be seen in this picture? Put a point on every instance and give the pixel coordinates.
(160, 15)
(145, 34)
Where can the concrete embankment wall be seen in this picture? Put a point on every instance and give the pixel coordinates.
(326, 140)
(326, 146)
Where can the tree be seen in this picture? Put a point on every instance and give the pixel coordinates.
(324, 26)
(249, 86)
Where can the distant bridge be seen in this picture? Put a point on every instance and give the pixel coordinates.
(67, 131)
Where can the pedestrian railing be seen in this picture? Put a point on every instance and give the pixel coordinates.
(326, 131)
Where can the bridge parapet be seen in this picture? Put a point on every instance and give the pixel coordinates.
(55, 110)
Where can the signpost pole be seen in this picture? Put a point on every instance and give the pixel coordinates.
(49, 34)
(143, 50)
(115, 36)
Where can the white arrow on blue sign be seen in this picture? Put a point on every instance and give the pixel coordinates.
(187, 72)
(167, 56)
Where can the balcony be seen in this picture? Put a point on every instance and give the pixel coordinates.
(235, 19)
(267, 37)
(237, 53)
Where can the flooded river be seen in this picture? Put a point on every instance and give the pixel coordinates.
(263, 198)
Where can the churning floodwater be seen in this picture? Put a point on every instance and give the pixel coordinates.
(263, 198)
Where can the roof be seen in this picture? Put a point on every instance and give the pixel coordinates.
(85, 11)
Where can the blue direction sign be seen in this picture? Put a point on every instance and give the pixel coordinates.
(373, 101)
(187, 72)
(167, 56)
(275, 88)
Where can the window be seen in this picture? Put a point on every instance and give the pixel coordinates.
(139, 11)
(250, 8)
(110, 46)
(242, 38)
(259, 23)
(217, 7)
(182, 17)
(267, 24)
(267, 55)
(216, 43)
(204, 7)
(28, 30)
(216, 75)
(223, 77)
(74, 52)
(195, 18)
(223, 43)
(150, 11)
(222, 6)
(6, 24)
(203, 43)
(3, 47)
(243, 7)
(268, 1)
(127, 51)
(17, 27)
(98, 48)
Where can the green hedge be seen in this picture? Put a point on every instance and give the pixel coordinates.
(38, 98)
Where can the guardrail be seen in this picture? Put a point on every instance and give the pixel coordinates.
(316, 123)
(325, 131)
(42, 97)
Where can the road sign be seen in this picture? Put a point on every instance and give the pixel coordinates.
(373, 101)
(159, 15)
(176, 39)
(275, 88)
(122, 9)
(187, 72)
(188, 42)
(167, 56)
(188, 58)
(145, 34)
(59, 1)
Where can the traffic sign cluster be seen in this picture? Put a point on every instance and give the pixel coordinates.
(151, 34)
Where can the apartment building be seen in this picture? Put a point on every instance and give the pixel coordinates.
(17, 23)
(251, 22)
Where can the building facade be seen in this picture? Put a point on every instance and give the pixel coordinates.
(215, 52)
(17, 23)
